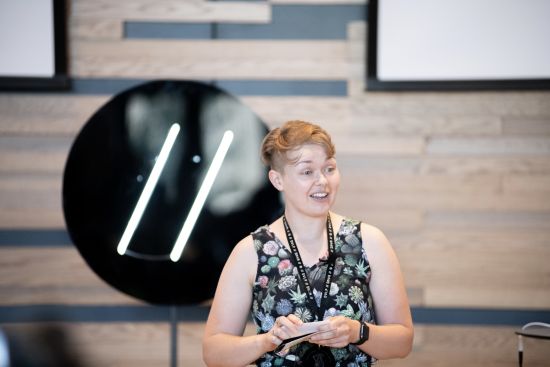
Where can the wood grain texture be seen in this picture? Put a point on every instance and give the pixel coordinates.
(52, 276)
(526, 183)
(535, 146)
(36, 218)
(33, 154)
(32, 114)
(536, 298)
(537, 126)
(171, 10)
(147, 344)
(426, 124)
(439, 201)
(434, 264)
(456, 346)
(81, 27)
(350, 144)
(518, 104)
(508, 265)
(459, 181)
(266, 59)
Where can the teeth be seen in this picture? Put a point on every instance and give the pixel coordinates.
(319, 195)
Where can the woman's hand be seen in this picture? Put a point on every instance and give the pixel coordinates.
(284, 327)
(337, 332)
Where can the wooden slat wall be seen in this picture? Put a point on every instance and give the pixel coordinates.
(459, 181)
(147, 344)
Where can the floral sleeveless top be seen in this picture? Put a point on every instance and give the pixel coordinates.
(278, 291)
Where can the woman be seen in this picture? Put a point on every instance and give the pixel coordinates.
(300, 269)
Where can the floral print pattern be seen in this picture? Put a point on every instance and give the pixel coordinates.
(278, 291)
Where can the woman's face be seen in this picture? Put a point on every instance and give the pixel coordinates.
(310, 181)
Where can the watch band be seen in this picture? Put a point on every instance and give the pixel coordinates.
(363, 334)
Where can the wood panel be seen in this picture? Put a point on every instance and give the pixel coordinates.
(172, 10)
(490, 220)
(440, 201)
(426, 125)
(49, 275)
(63, 114)
(526, 183)
(356, 181)
(82, 27)
(455, 295)
(435, 263)
(538, 125)
(333, 113)
(33, 154)
(458, 180)
(490, 146)
(32, 114)
(266, 59)
(481, 264)
(31, 218)
(352, 144)
(517, 104)
(452, 346)
(147, 344)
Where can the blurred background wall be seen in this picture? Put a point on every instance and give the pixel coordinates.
(459, 181)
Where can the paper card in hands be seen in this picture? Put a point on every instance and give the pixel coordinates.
(305, 331)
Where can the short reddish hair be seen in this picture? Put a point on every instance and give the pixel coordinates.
(292, 135)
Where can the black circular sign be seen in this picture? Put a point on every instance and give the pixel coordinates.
(161, 183)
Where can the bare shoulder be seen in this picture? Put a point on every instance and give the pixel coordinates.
(375, 243)
(244, 251)
(336, 220)
(243, 260)
(373, 234)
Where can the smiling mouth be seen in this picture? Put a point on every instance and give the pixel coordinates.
(319, 195)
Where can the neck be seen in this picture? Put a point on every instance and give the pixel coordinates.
(306, 230)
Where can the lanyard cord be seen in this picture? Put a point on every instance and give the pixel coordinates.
(302, 270)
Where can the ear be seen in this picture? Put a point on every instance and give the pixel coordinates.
(276, 179)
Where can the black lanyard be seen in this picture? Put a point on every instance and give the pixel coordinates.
(302, 270)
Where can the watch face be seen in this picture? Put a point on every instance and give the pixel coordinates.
(161, 183)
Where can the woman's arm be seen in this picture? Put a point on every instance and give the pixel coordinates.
(392, 336)
(223, 343)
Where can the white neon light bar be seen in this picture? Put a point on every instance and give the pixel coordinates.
(148, 189)
(200, 199)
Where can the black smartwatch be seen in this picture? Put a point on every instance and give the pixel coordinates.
(363, 334)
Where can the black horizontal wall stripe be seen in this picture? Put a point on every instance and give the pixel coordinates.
(34, 237)
(474, 316)
(288, 22)
(150, 313)
(284, 87)
(100, 86)
(167, 30)
(81, 313)
(103, 85)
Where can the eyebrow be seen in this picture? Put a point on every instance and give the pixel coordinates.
(303, 162)
(308, 161)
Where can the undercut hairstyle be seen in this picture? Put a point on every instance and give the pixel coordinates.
(291, 136)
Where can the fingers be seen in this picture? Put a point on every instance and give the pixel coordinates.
(271, 341)
(336, 333)
(286, 326)
(333, 338)
(282, 329)
(294, 319)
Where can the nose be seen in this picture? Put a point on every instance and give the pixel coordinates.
(321, 178)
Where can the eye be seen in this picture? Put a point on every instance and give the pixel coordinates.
(330, 169)
(307, 172)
